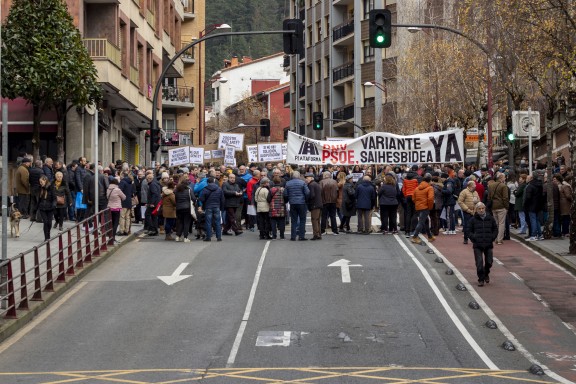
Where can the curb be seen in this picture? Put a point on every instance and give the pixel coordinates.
(546, 253)
(10, 327)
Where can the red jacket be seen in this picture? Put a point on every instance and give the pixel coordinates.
(250, 188)
(409, 186)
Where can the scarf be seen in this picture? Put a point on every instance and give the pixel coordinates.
(57, 184)
(483, 216)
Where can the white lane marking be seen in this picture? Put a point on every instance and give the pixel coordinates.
(41, 317)
(344, 268)
(539, 298)
(516, 276)
(546, 259)
(492, 316)
(498, 261)
(489, 363)
(238, 340)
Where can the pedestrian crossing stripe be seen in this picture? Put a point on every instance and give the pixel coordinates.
(394, 374)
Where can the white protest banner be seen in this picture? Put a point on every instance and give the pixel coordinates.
(196, 155)
(269, 152)
(284, 150)
(178, 156)
(379, 148)
(252, 151)
(236, 140)
(337, 138)
(217, 153)
(207, 155)
(229, 158)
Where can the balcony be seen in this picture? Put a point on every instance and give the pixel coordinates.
(344, 113)
(188, 9)
(188, 55)
(134, 76)
(178, 97)
(301, 90)
(342, 72)
(343, 33)
(102, 49)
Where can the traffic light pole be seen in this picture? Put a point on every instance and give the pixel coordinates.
(181, 52)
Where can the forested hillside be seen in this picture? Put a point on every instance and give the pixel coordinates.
(244, 15)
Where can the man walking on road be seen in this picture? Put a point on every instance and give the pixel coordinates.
(365, 202)
(22, 181)
(314, 205)
(482, 230)
(329, 188)
(212, 200)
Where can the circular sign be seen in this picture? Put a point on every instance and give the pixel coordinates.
(526, 124)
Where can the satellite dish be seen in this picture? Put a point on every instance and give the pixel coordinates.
(90, 109)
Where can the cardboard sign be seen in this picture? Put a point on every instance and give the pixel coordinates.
(217, 154)
(235, 140)
(229, 158)
(196, 155)
(270, 152)
(284, 150)
(178, 156)
(207, 155)
(252, 151)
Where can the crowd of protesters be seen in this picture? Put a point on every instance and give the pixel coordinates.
(214, 201)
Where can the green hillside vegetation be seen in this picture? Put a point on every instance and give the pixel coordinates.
(244, 15)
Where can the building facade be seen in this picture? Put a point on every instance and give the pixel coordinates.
(131, 43)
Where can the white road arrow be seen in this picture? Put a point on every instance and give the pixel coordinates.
(345, 268)
(176, 276)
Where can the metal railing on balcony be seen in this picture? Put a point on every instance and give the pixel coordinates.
(134, 76)
(343, 71)
(151, 18)
(344, 113)
(189, 53)
(342, 30)
(180, 94)
(102, 49)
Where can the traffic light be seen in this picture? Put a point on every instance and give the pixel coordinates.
(265, 127)
(293, 41)
(380, 28)
(510, 135)
(318, 121)
(154, 140)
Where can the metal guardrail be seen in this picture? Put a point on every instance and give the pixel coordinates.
(182, 94)
(344, 113)
(343, 71)
(102, 49)
(27, 276)
(189, 53)
(342, 30)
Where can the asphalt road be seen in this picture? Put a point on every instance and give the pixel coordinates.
(265, 311)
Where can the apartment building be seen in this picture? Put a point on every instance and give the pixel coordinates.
(131, 42)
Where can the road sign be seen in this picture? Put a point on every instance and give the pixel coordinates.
(524, 122)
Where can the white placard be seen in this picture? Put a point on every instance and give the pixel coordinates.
(357, 176)
(252, 151)
(207, 155)
(235, 140)
(196, 155)
(229, 158)
(524, 121)
(178, 156)
(217, 153)
(269, 152)
(284, 150)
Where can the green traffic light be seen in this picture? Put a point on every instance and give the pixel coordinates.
(510, 137)
(380, 39)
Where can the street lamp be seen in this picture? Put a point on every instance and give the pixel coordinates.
(414, 28)
(382, 87)
(209, 29)
(242, 125)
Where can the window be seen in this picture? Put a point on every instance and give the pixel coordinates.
(309, 37)
(326, 67)
(368, 6)
(368, 52)
(327, 26)
(169, 123)
(318, 71)
(308, 75)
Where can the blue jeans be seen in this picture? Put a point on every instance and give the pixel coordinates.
(535, 230)
(450, 218)
(523, 225)
(298, 211)
(213, 214)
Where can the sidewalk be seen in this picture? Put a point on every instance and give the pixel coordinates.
(554, 249)
(32, 234)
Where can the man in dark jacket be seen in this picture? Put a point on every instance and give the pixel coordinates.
(365, 201)
(90, 189)
(329, 188)
(533, 204)
(154, 195)
(314, 205)
(296, 193)
(35, 173)
(482, 230)
(127, 187)
(47, 169)
(212, 200)
(233, 199)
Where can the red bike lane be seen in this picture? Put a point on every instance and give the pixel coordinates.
(533, 297)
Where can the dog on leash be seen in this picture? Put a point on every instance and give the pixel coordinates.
(15, 216)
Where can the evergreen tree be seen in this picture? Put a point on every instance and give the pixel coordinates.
(45, 62)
